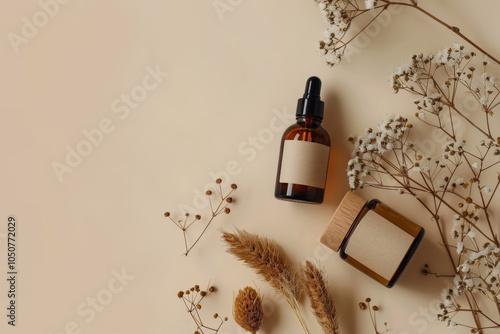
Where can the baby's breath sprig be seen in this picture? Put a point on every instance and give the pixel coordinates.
(192, 299)
(457, 187)
(343, 15)
(219, 203)
(372, 310)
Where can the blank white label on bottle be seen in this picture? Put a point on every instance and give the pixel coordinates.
(379, 244)
(304, 163)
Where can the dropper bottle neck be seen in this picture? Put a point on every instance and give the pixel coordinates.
(310, 107)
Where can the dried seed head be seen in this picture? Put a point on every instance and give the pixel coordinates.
(368, 300)
(187, 214)
(216, 315)
(166, 214)
(375, 307)
(229, 200)
(362, 306)
(198, 217)
(180, 294)
(218, 181)
(198, 307)
(203, 293)
(247, 310)
(227, 210)
(234, 186)
(211, 289)
(208, 192)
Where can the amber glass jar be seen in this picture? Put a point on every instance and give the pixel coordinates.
(304, 152)
(373, 238)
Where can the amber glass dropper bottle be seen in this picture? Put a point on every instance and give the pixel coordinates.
(305, 151)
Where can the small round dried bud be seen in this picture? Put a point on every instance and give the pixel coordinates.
(192, 289)
(468, 200)
(229, 200)
(211, 289)
(198, 217)
(216, 315)
(375, 307)
(225, 318)
(460, 205)
(196, 332)
(218, 181)
(227, 210)
(166, 214)
(187, 292)
(197, 287)
(208, 192)
(180, 294)
(409, 125)
(203, 293)
(362, 306)
(187, 214)
(234, 186)
(198, 307)
(368, 300)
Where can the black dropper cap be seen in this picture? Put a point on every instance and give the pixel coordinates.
(311, 104)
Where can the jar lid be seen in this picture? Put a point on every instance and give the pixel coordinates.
(342, 220)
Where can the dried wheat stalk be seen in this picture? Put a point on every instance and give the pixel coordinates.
(321, 302)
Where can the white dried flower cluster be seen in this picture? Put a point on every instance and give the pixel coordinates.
(493, 146)
(338, 14)
(453, 56)
(479, 272)
(370, 4)
(454, 147)
(416, 76)
(374, 144)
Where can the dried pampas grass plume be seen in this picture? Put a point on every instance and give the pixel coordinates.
(321, 302)
(247, 311)
(264, 256)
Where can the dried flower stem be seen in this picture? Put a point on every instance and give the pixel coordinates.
(264, 256)
(388, 160)
(341, 13)
(372, 310)
(222, 207)
(192, 299)
(456, 30)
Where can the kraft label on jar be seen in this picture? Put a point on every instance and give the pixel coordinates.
(379, 244)
(304, 163)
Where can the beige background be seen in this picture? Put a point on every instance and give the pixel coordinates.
(228, 76)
